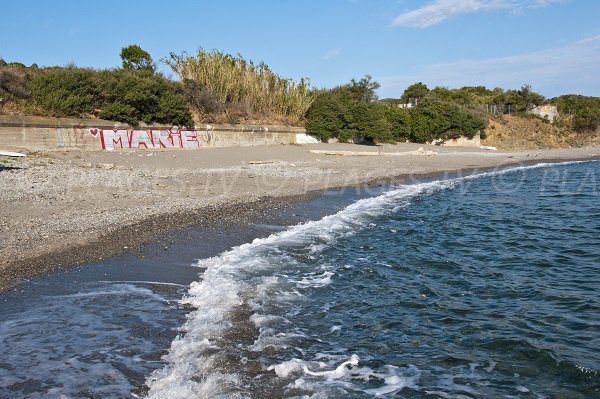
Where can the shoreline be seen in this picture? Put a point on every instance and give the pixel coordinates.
(95, 243)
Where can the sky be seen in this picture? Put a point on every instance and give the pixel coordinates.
(553, 45)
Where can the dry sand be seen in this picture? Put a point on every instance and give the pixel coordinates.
(63, 208)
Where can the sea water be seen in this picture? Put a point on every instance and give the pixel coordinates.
(483, 286)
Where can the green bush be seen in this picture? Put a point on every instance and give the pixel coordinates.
(437, 119)
(129, 96)
(340, 113)
(329, 115)
(66, 91)
(585, 110)
(422, 126)
(587, 119)
(368, 123)
(119, 112)
(349, 113)
(172, 109)
(399, 120)
(518, 101)
(142, 95)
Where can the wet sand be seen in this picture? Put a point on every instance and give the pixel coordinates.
(60, 209)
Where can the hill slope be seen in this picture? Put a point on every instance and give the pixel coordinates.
(514, 132)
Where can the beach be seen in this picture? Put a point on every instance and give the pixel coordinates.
(65, 208)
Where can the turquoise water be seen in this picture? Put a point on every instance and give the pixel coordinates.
(485, 286)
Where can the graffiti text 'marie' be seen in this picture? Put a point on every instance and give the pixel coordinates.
(111, 139)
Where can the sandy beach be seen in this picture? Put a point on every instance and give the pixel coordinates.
(59, 209)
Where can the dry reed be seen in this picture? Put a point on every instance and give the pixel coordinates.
(232, 81)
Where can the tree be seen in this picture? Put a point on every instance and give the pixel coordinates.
(438, 119)
(363, 90)
(519, 101)
(369, 123)
(133, 95)
(330, 114)
(399, 121)
(134, 57)
(529, 98)
(415, 92)
(587, 119)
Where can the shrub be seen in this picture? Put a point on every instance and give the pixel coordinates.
(172, 109)
(368, 123)
(587, 119)
(329, 115)
(341, 113)
(66, 91)
(363, 90)
(437, 119)
(518, 101)
(12, 85)
(585, 110)
(399, 120)
(344, 113)
(129, 96)
(119, 112)
(141, 95)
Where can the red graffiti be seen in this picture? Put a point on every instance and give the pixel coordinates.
(111, 139)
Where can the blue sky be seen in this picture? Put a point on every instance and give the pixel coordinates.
(554, 45)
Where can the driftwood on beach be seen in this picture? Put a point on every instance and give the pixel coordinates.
(420, 152)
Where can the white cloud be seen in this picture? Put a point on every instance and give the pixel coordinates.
(439, 10)
(332, 53)
(568, 69)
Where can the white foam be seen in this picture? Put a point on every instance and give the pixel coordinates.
(310, 375)
(285, 369)
(121, 289)
(396, 380)
(244, 275)
(315, 280)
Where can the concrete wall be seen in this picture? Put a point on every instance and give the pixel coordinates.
(41, 133)
(460, 142)
(545, 111)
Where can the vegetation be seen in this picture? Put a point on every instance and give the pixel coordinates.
(218, 87)
(66, 91)
(414, 93)
(583, 112)
(217, 81)
(434, 118)
(351, 112)
(496, 101)
(134, 57)
(124, 95)
(133, 94)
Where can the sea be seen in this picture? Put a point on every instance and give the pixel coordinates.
(478, 285)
